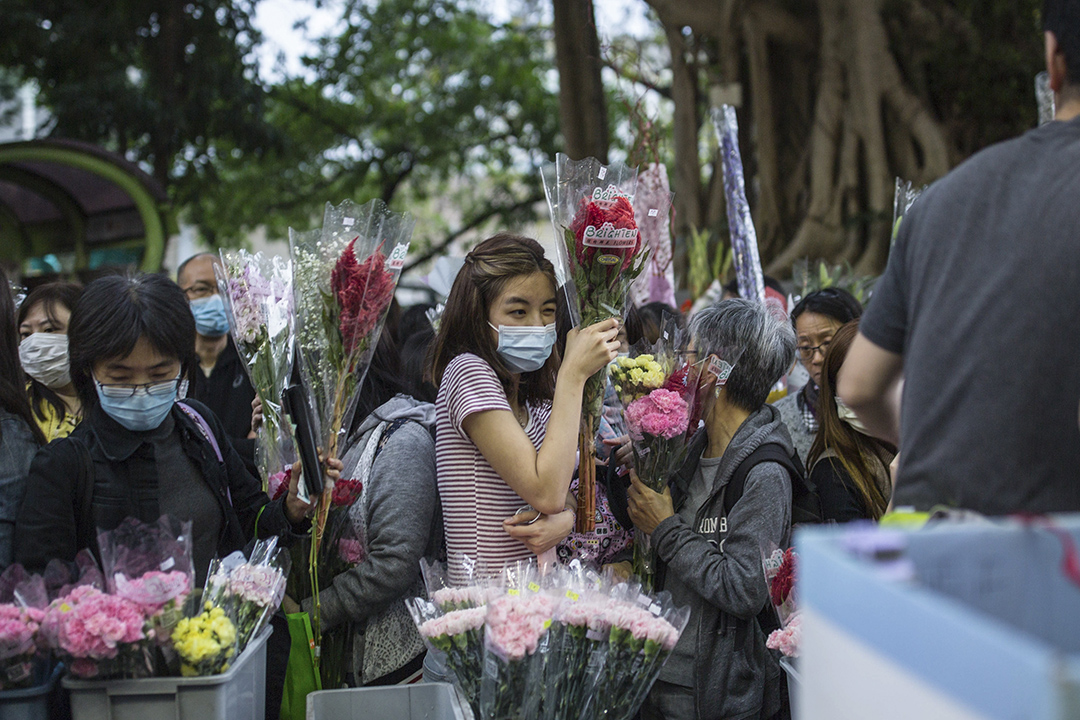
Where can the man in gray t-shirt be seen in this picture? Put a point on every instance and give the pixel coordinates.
(978, 313)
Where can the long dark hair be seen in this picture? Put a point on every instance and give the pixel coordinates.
(12, 390)
(114, 312)
(464, 327)
(857, 452)
(382, 382)
(49, 296)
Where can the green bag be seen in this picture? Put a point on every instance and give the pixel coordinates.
(300, 676)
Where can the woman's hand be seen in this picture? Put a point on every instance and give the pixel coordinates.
(590, 349)
(295, 508)
(256, 415)
(290, 606)
(648, 508)
(543, 534)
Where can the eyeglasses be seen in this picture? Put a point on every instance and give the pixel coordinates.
(200, 290)
(158, 388)
(806, 352)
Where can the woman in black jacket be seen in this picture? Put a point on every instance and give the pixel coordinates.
(139, 452)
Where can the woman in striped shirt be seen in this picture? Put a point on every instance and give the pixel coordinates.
(507, 412)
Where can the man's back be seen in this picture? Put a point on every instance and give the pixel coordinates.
(982, 298)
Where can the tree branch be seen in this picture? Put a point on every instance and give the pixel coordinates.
(639, 79)
(472, 224)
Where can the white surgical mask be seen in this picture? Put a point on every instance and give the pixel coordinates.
(848, 415)
(525, 349)
(44, 357)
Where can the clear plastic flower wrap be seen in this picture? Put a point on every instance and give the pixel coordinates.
(152, 566)
(257, 290)
(515, 628)
(253, 587)
(642, 630)
(577, 632)
(452, 622)
(206, 639)
(23, 600)
(600, 253)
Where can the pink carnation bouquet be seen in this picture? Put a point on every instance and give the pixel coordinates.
(102, 636)
(251, 589)
(18, 644)
(787, 638)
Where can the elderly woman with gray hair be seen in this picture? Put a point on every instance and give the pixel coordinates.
(709, 546)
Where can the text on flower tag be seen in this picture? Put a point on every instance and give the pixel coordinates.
(348, 221)
(396, 261)
(721, 369)
(572, 595)
(167, 564)
(609, 194)
(513, 592)
(602, 174)
(654, 609)
(533, 587)
(653, 212)
(609, 236)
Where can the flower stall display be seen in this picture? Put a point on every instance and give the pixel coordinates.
(257, 290)
(600, 254)
(23, 600)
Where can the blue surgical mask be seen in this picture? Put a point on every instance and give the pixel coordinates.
(210, 317)
(525, 349)
(144, 409)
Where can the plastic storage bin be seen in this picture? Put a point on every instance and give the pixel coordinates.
(984, 626)
(424, 701)
(239, 694)
(31, 703)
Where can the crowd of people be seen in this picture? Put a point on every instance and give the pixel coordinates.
(127, 398)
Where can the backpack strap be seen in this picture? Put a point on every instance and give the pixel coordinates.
(204, 428)
(767, 452)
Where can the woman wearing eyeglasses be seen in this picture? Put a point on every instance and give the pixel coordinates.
(139, 452)
(816, 318)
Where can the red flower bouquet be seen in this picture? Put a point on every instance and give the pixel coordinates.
(600, 254)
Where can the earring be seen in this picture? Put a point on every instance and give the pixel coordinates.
(718, 389)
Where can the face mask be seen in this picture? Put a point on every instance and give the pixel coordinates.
(44, 357)
(525, 349)
(210, 317)
(848, 415)
(145, 410)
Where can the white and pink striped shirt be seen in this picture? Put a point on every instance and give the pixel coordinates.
(475, 499)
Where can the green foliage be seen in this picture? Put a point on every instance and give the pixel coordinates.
(160, 82)
(810, 278)
(415, 97)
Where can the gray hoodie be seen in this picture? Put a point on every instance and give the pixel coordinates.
(401, 525)
(719, 558)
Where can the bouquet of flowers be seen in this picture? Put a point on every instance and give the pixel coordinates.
(600, 254)
(101, 636)
(22, 608)
(516, 623)
(206, 642)
(253, 588)
(151, 566)
(343, 283)
(788, 638)
(257, 290)
(780, 567)
(642, 630)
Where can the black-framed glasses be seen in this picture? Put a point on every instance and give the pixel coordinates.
(806, 352)
(158, 388)
(200, 289)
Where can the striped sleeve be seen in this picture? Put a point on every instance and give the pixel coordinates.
(471, 386)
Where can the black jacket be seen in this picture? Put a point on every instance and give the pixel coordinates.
(228, 393)
(52, 522)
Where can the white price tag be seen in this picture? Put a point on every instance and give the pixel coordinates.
(653, 212)
(348, 221)
(603, 173)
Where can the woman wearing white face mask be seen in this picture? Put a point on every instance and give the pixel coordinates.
(43, 351)
(507, 412)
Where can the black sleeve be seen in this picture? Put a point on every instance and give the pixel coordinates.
(839, 498)
(47, 523)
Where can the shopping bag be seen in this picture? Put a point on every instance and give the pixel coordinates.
(301, 677)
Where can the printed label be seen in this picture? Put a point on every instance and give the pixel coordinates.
(608, 194)
(533, 587)
(654, 609)
(603, 173)
(609, 259)
(167, 564)
(721, 369)
(547, 624)
(513, 592)
(396, 261)
(348, 221)
(595, 634)
(653, 212)
(572, 595)
(609, 236)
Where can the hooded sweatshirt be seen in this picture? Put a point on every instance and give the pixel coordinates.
(715, 564)
(398, 516)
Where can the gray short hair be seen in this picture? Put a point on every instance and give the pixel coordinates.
(766, 340)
